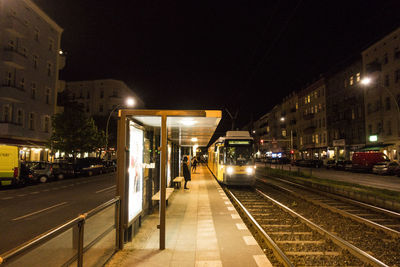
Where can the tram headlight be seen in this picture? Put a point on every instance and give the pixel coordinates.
(249, 170)
(229, 170)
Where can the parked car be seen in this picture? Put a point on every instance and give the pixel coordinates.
(63, 170)
(387, 167)
(109, 166)
(42, 171)
(344, 165)
(330, 164)
(88, 166)
(366, 160)
(26, 175)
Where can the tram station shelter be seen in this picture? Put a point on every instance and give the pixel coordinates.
(151, 145)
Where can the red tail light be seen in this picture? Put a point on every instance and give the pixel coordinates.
(15, 172)
(51, 168)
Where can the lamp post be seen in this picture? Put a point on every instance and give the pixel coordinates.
(129, 103)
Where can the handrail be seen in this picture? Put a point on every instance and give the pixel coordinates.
(41, 239)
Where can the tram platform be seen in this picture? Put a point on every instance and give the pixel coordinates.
(202, 229)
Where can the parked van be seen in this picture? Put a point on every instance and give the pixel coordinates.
(366, 160)
(9, 165)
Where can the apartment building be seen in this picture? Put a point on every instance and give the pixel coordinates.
(381, 65)
(289, 123)
(345, 110)
(100, 97)
(30, 60)
(312, 129)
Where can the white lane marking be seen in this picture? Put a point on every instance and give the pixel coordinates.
(241, 226)
(262, 261)
(231, 208)
(105, 189)
(227, 203)
(249, 240)
(39, 211)
(5, 198)
(235, 216)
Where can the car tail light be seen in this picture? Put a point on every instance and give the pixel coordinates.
(15, 172)
(51, 168)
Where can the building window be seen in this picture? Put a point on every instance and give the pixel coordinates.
(369, 108)
(87, 107)
(36, 35)
(35, 61)
(6, 113)
(316, 109)
(387, 80)
(11, 45)
(297, 105)
(317, 138)
(47, 96)
(353, 114)
(396, 53)
(51, 44)
(46, 125)
(387, 103)
(379, 127)
(49, 66)
(22, 83)
(301, 140)
(345, 83)
(385, 59)
(31, 121)
(33, 90)
(369, 129)
(312, 110)
(397, 75)
(20, 116)
(9, 78)
(88, 94)
(81, 94)
(284, 133)
(101, 94)
(267, 129)
(358, 77)
(351, 80)
(305, 100)
(101, 108)
(308, 99)
(115, 93)
(323, 122)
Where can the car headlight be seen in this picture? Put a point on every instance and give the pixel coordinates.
(249, 170)
(229, 170)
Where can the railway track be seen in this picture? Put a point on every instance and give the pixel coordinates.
(296, 240)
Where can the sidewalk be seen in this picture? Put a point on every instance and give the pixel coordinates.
(203, 229)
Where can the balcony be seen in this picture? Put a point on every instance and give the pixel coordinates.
(14, 58)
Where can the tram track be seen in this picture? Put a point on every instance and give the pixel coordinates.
(307, 239)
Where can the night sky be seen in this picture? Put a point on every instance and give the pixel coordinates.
(240, 55)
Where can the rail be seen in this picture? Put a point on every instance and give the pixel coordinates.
(67, 244)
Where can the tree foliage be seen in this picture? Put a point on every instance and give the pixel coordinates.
(73, 132)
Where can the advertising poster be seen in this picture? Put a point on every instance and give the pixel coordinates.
(135, 172)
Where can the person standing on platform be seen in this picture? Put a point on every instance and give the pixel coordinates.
(194, 164)
(186, 172)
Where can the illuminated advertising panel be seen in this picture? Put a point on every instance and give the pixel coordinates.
(135, 173)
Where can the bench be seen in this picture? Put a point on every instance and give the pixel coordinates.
(177, 182)
(168, 193)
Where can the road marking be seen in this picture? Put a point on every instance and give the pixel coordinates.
(241, 226)
(235, 216)
(249, 240)
(5, 198)
(39, 211)
(105, 189)
(231, 208)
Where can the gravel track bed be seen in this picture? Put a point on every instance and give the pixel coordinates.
(375, 242)
(293, 236)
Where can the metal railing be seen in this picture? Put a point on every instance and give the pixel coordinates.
(71, 243)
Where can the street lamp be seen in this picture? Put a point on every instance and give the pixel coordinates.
(129, 103)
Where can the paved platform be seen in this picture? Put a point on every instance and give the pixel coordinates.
(202, 229)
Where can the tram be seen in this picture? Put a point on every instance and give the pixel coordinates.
(231, 159)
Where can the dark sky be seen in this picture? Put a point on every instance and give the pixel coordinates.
(244, 55)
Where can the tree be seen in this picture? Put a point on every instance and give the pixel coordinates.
(73, 132)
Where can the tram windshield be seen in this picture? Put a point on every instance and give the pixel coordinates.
(239, 153)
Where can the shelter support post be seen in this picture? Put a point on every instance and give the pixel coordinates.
(163, 181)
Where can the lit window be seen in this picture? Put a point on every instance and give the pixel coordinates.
(320, 107)
(351, 80)
(358, 77)
(313, 138)
(284, 132)
(297, 104)
(316, 109)
(305, 100)
(301, 140)
(308, 99)
(312, 110)
(267, 129)
(316, 139)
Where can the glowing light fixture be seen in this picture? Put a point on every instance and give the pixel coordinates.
(282, 118)
(366, 81)
(373, 138)
(188, 122)
(229, 170)
(194, 139)
(130, 102)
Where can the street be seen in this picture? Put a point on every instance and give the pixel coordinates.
(367, 179)
(29, 211)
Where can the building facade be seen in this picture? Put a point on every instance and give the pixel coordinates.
(100, 97)
(381, 65)
(30, 60)
(311, 126)
(345, 111)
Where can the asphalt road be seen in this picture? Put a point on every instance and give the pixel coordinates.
(32, 210)
(368, 179)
